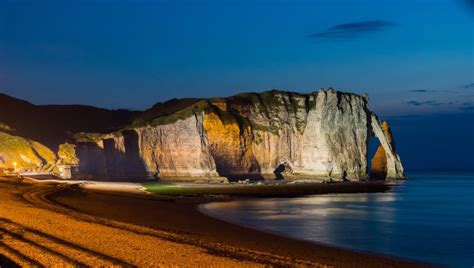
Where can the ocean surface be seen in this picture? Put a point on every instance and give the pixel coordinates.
(428, 218)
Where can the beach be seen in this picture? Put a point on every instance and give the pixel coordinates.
(49, 224)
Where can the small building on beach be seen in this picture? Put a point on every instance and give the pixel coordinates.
(65, 171)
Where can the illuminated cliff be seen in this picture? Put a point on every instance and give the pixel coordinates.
(289, 135)
(24, 154)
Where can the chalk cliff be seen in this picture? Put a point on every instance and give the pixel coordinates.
(385, 163)
(266, 135)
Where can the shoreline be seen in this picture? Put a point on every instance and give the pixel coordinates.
(50, 223)
(186, 218)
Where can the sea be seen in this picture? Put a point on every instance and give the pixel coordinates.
(428, 218)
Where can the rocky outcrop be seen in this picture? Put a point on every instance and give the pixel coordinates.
(171, 151)
(379, 164)
(67, 154)
(272, 134)
(24, 154)
(386, 162)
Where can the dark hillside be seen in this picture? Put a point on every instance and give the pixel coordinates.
(52, 125)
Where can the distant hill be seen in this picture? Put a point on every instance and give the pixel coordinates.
(52, 125)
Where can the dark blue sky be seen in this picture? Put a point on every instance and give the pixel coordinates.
(414, 57)
(411, 56)
(434, 142)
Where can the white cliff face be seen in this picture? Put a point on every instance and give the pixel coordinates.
(324, 135)
(176, 150)
(318, 135)
(336, 136)
(172, 151)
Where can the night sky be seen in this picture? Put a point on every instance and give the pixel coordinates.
(415, 58)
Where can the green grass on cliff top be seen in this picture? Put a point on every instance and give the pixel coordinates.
(87, 137)
(267, 103)
(253, 190)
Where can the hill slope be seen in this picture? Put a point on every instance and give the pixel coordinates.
(52, 125)
(27, 154)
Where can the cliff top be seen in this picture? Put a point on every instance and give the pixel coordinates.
(267, 102)
(176, 109)
(28, 120)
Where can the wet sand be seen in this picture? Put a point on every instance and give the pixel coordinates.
(70, 225)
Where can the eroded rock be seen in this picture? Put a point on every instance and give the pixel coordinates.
(319, 135)
(386, 163)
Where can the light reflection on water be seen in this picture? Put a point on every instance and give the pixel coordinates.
(429, 218)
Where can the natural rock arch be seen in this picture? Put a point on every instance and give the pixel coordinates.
(386, 162)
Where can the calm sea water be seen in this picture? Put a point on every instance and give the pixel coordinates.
(429, 218)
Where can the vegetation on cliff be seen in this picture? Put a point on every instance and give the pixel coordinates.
(87, 137)
(182, 114)
(163, 110)
(237, 107)
(321, 134)
(264, 190)
(67, 154)
(27, 154)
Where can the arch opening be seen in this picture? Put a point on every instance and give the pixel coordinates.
(377, 164)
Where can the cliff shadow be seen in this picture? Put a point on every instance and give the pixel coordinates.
(91, 160)
(122, 157)
(234, 169)
(135, 165)
(234, 173)
(6, 262)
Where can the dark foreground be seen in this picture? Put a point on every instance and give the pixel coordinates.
(50, 224)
